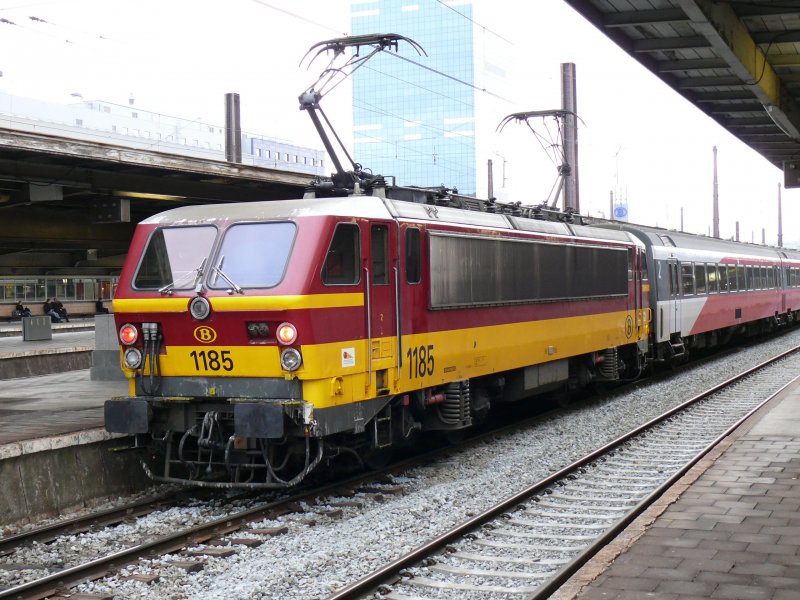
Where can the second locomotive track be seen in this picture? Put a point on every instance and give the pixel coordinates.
(530, 543)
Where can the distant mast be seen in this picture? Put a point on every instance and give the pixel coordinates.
(780, 218)
(569, 104)
(716, 199)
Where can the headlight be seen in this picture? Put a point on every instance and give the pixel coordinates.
(291, 359)
(128, 334)
(286, 333)
(132, 358)
(200, 308)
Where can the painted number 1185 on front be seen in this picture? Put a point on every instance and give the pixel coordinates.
(212, 360)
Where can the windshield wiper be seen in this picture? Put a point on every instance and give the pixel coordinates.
(170, 287)
(218, 271)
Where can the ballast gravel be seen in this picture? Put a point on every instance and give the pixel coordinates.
(314, 560)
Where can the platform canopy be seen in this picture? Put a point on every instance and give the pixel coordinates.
(738, 61)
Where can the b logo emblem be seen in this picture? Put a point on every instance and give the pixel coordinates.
(205, 334)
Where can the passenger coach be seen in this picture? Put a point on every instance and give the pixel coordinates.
(707, 290)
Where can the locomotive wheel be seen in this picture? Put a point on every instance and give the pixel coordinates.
(454, 436)
(377, 458)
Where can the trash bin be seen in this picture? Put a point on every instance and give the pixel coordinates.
(36, 328)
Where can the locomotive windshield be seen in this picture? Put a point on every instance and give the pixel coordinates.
(253, 255)
(174, 258)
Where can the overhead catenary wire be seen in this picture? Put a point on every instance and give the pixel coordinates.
(299, 17)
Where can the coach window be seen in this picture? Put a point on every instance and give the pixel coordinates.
(751, 282)
(700, 278)
(765, 278)
(723, 278)
(687, 279)
(344, 257)
(380, 254)
(413, 251)
(732, 284)
(713, 282)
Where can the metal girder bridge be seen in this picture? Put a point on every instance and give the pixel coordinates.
(736, 60)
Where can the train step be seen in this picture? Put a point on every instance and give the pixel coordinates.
(678, 349)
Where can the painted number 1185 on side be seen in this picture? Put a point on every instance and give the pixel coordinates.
(420, 361)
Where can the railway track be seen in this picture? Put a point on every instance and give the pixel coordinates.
(212, 537)
(531, 543)
(207, 539)
(215, 538)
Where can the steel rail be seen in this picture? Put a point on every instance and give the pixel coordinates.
(48, 585)
(391, 570)
(92, 520)
(51, 584)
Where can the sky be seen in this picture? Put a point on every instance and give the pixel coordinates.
(637, 138)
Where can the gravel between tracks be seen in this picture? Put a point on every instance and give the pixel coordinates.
(313, 560)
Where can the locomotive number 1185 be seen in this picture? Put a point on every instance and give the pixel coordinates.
(211, 360)
(420, 361)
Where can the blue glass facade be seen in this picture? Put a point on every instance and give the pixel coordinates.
(417, 123)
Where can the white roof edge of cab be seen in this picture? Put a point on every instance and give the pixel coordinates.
(351, 206)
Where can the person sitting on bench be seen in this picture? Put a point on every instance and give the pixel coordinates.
(21, 311)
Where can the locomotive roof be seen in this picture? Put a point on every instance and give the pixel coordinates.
(666, 238)
(372, 207)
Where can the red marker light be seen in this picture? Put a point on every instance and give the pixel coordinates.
(128, 334)
(286, 333)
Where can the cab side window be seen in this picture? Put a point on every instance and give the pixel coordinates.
(413, 274)
(380, 254)
(344, 256)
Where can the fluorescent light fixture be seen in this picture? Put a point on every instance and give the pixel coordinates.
(782, 121)
(146, 196)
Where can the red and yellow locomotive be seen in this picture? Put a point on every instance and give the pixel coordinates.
(263, 338)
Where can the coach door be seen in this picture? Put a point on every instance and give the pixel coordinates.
(674, 304)
(637, 292)
(380, 280)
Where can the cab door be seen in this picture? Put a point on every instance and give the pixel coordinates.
(380, 281)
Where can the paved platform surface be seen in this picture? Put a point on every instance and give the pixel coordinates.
(53, 405)
(77, 334)
(44, 406)
(729, 529)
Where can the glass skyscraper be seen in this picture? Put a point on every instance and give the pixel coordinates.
(414, 117)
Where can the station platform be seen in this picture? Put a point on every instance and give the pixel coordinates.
(729, 529)
(60, 398)
(55, 455)
(69, 349)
